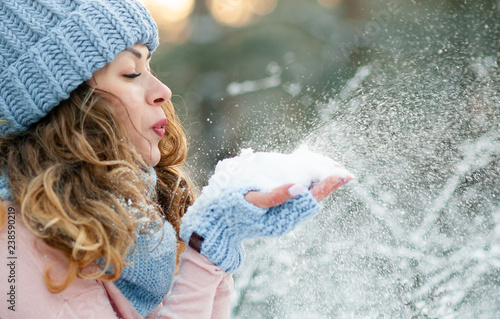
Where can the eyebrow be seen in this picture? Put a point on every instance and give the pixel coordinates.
(138, 54)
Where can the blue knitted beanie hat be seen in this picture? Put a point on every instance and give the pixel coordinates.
(49, 47)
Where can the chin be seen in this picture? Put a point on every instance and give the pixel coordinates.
(154, 158)
(150, 155)
(153, 163)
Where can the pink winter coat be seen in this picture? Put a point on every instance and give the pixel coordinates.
(200, 290)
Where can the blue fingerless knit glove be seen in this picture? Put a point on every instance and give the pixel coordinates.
(222, 224)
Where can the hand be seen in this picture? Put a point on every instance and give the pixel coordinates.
(281, 194)
(220, 225)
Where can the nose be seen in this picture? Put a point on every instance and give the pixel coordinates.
(158, 92)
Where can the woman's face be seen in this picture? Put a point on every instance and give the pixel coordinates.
(129, 78)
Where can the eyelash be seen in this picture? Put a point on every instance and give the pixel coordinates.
(132, 76)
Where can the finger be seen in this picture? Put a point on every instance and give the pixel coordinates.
(276, 197)
(329, 185)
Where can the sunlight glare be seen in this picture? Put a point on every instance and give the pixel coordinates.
(329, 3)
(231, 12)
(262, 7)
(169, 10)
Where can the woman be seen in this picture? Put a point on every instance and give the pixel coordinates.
(91, 180)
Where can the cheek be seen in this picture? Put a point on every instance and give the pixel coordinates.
(125, 117)
(132, 119)
(129, 109)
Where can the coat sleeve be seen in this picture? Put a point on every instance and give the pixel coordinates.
(91, 304)
(201, 290)
(24, 259)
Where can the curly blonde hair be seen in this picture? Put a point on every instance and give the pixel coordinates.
(73, 174)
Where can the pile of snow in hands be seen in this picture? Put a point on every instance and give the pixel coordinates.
(265, 171)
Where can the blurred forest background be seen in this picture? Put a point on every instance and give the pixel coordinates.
(405, 94)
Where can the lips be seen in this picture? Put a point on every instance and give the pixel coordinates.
(159, 127)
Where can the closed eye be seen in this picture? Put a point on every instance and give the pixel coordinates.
(132, 76)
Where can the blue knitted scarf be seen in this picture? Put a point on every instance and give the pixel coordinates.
(148, 276)
(4, 187)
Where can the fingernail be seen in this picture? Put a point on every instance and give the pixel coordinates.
(342, 181)
(346, 180)
(295, 190)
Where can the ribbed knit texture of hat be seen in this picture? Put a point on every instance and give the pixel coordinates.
(49, 47)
